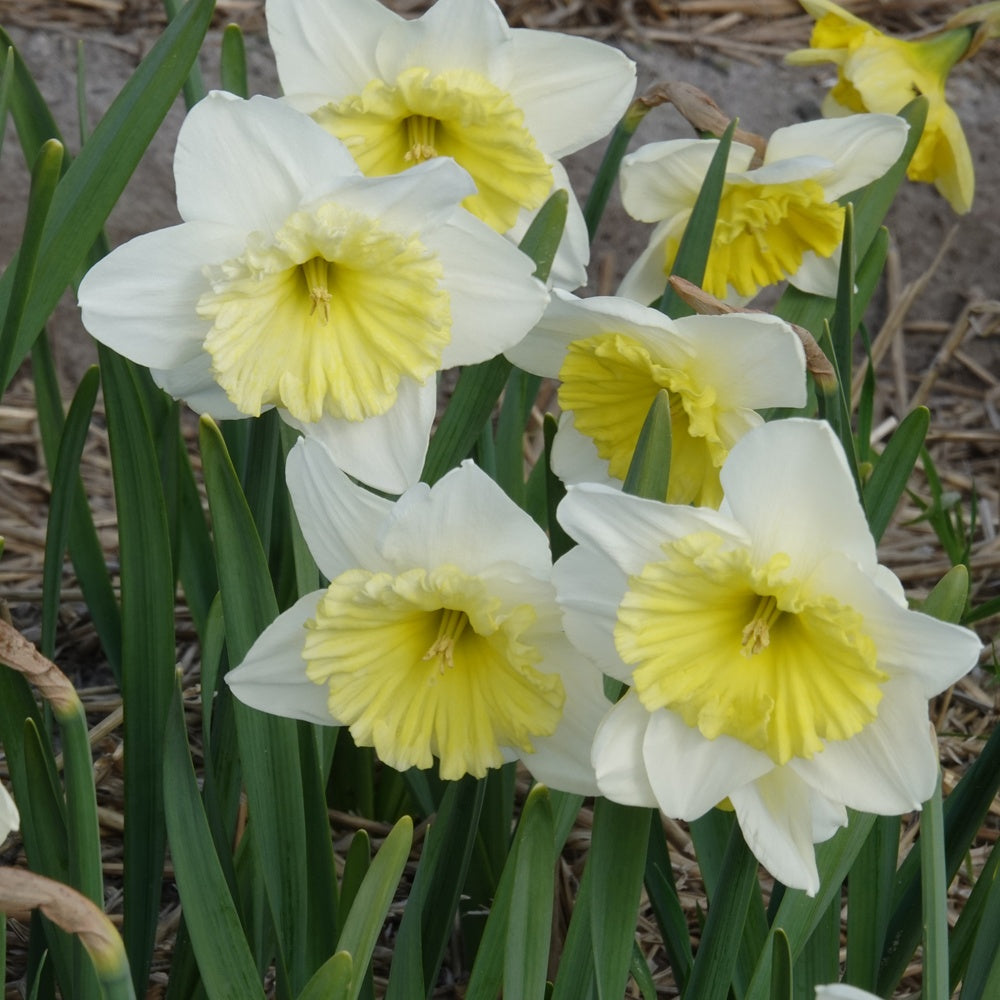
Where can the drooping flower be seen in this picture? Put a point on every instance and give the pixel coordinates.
(9, 819)
(296, 282)
(776, 221)
(613, 356)
(772, 661)
(876, 72)
(456, 82)
(438, 636)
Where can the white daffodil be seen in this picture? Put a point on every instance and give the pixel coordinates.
(772, 661)
(458, 82)
(613, 356)
(779, 220)
(439, 635)
(9, 818)
(296, 282)
(841, 991)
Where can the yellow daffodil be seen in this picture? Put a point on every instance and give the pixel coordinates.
(438, 636)
(878, 73)
(9, 819)
(613, 356)
(296, 282)
(776, 221)
(771, 660)
(458, 82)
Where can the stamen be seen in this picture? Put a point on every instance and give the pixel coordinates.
(756, 634)
(420, 136)
(316, 273)
(452, 626)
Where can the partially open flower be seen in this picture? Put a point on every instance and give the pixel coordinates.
(438, 636)
(776, 221)
(772, 661)
(613, 356)
(296, 282)
(456, 82)
(878, 73)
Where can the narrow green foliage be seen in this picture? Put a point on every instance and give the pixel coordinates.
(332, 980)
(519, 396)
(819, 960)
(639, 970)
(934, 898)
(6, 82)
(781, 968)
(893, 469)
(649, 471)
(950, 597)
(356, 864)
(576, 977)
(617, 860)
(65, 477)
(944, 514)
(976, 933)
(541, 241)
(662, 893)
(224, 960)
(194, 88)
(559, 541)
(371, 904)
(233, 62)
(696, 243)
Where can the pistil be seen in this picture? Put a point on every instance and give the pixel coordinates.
(756, 635)
(316, 273)
(420, 137)
(449, 630)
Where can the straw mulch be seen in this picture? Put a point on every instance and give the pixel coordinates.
(946, 367)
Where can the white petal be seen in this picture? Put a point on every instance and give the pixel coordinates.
(250, 164)
(631, 530)
(818, 275)
(662, 179)
(788, 484)
(575, 459)
(194, 383)
(589, 588)
(890, 767)
(273, 678)
(863, 147)
(140, 300)
(646, 279)
(752, 360)
(495, 298)
(467, 521)
(617, 754)
(691, 774)
(562, 760)
(386, 451)
(340, 520)
(327, 48)
(775, 816)
(543, 350)
(841, 991)
(453, 34)
(9, 819)
(572, 90)
(827, 816)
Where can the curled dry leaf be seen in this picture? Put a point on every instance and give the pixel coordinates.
(708, 305)
(21, 655)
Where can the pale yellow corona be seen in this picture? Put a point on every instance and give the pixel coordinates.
(458, 113)
(326, 318)
(609, 383)
(428, 663)
(745, 651)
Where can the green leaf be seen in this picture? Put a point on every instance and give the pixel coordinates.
(224, 960)
(692, 255)
(65, 477)
(819, 961)
(662, 894)
(6, 84)
(233, 62)
(976, 932)
(541, 241)
(649, 471)
(374, 896)
(194, 88)
(893, 469)
(781, 968)
(934, 898)
(95, 180)
(617, 861)
(576, 977)
(332, 980)
(950, 597)
(529, 928)
(518, 398)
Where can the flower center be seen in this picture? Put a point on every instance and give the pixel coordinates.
(763, 231)
(609, 382)
(327, 318)
(429, 663)
(741, 651)
(459, 113)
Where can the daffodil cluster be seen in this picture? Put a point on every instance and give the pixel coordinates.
(343, 245)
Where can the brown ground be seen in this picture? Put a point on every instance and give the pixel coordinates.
(934, 323)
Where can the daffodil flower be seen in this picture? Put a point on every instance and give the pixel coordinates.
(772, 661)
(458, 82)
(613, 356)
(438, 636)
(296, 282)
(776, 221)
(841, 991)
(878, 73)
(9, 819)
